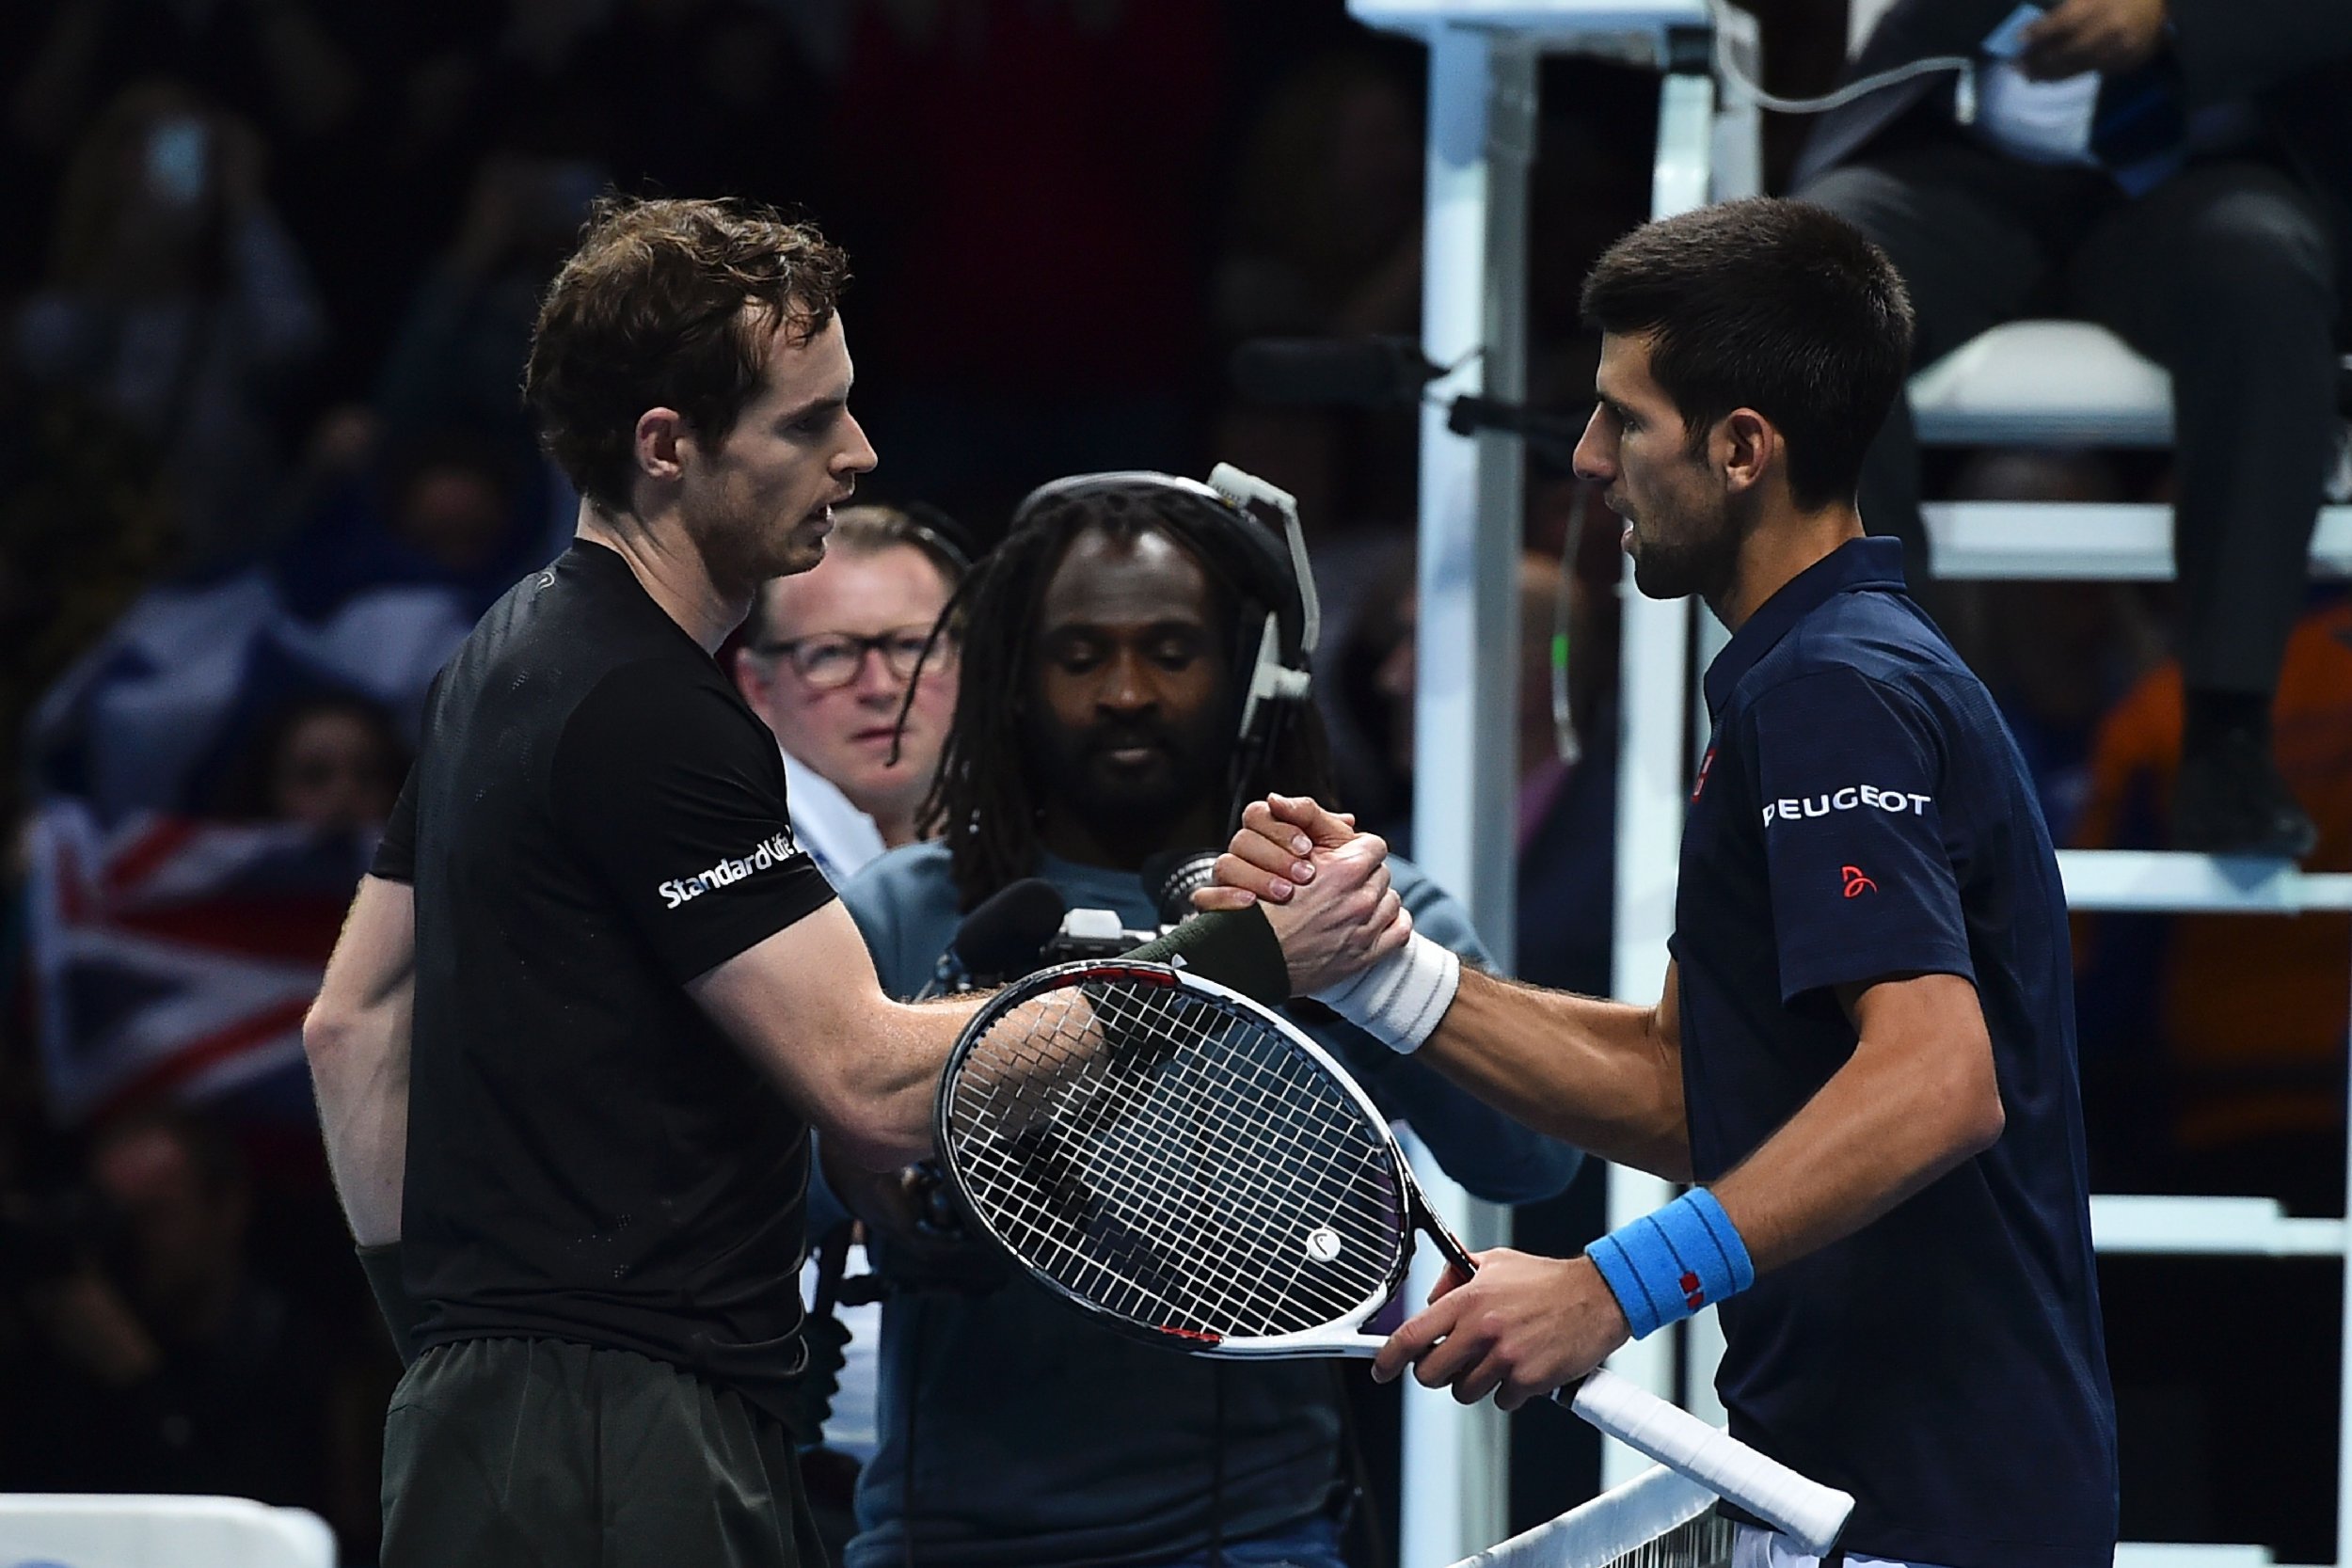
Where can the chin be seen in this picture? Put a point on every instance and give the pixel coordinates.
(797, 555)
(1663, 575)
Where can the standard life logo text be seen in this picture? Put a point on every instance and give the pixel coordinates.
(768, 852)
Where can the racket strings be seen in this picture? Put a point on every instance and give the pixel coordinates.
(1171, 1210)
(1175, 1162)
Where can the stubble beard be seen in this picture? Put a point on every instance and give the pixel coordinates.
(739, 551)
(1701, 559)
(1130, 811)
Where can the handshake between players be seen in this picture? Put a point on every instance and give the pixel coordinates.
(1525, 1325)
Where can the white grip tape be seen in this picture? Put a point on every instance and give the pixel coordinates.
(1399, 1000)
(1808, 1512)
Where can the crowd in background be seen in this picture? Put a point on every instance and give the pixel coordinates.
(263, 462)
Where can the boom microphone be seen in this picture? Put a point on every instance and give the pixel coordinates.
(1334, 372)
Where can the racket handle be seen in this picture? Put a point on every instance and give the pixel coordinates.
(1806, 1510)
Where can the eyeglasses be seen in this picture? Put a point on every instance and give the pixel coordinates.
(831, 660)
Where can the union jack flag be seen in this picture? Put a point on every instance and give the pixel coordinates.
(172, 954)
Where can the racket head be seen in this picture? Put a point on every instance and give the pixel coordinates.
(1181, 1163)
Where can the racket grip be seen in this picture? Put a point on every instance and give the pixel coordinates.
(1806, 1510)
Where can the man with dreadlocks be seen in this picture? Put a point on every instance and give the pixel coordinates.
(1099, 723)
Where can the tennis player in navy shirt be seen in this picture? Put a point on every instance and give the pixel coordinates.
(1865, 1052)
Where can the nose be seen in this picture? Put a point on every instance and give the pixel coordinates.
(857, 454)
(874, 685)
(1126, 686)
(1597, 448)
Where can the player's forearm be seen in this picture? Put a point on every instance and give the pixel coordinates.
(880, 1118)
(1901, 1112)
(358, 1059)
(1604, 1076)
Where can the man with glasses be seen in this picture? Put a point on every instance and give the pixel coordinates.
(826, 659)
(825, 662)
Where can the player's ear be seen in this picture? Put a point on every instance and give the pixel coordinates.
(1747, 446)
(656, 441)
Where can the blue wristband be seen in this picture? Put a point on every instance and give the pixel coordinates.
(1666, 1265)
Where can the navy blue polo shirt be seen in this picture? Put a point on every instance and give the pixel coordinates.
(1863, 812)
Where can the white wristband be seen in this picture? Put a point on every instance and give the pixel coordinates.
(1399, 1000)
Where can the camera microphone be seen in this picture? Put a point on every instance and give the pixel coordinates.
(1002, 938)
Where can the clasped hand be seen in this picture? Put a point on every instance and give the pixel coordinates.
(1522, 1325)
(1325, 886)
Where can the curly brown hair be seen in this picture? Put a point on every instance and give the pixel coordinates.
(650, 312)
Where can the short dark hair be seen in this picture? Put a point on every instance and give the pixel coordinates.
(1777, 306)
(866, 531)
(649, 311)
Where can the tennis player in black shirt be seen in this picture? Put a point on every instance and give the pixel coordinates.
(594, 997)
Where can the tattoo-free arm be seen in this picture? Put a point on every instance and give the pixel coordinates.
(1919, 1097)
(1604, 1076)
(806, 1006)
(357, 1037)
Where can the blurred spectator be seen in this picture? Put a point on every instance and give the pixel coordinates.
(2248, 1015)
(84, 526)
(455, 361)
(374, 588)
(2177, 170)
(158, 1363)
(692, 97)
(826, 659)
(177, 301)
(449, 507)
(329, 761)
(275, 64)
(1327, 227)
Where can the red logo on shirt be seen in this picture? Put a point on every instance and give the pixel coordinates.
(1856, 883)
(1705, 763)
(1692, 1296)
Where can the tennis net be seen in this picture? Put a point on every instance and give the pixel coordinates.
(1657, 1520)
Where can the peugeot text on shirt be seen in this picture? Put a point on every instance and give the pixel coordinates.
(1847, 799)
(773, 851)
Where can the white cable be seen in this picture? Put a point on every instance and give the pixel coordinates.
(1964, 109)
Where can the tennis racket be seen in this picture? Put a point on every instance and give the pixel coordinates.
(1189, 1168)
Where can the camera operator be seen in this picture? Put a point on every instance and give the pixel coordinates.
(1113, 705)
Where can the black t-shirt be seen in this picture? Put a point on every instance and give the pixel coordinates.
(594, 820)
(1863, 812)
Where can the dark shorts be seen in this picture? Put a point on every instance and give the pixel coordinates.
(540, 1453)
